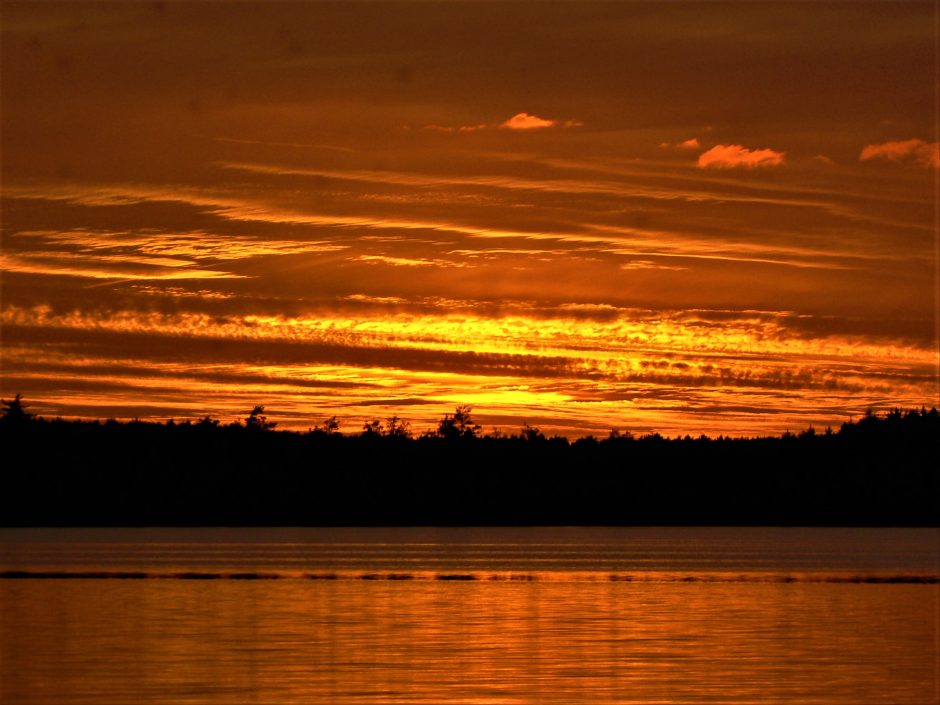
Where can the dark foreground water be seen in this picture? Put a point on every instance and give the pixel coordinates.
(469, 616)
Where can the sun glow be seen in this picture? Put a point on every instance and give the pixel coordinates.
(547, 228)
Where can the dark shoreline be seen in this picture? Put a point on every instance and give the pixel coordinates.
(880, 471)
(467, 577)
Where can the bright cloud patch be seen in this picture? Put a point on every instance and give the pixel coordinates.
(524, 121)
(729, 156)
(520, 121)
(913, 151)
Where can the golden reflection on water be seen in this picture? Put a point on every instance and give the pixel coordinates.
(552, 641)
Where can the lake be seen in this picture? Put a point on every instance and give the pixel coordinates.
(497, 616)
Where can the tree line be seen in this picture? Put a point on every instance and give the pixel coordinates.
(881, 470)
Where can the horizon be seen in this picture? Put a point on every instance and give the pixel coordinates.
(462, 423)
(694, 218)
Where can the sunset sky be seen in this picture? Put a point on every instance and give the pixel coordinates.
(683, 218)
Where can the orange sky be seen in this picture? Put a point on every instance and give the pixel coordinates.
(714, 218)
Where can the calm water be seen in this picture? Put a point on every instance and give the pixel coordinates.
(470, 616)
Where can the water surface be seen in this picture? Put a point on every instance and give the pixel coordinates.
(469, 616)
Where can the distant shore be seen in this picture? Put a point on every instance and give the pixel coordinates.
(879, 471)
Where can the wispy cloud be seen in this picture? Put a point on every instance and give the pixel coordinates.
(457, 128)
(379, 300)
(140, 255)
(289, 145)
(177, 292)
(641, 184)
(691, 143)
(407, 261)
(913, 151)
(150, 245)
(648, 264)
(58, 264)
(633, 242)
(730, 156)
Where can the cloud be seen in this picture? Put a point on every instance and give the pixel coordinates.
(289, 145)
(459, 128)
(729, 156)
(154, 247)
(524, 121)
(59, 264)
(913, 151)
(691, 143)
(631, 242)
(141, 255)
(522, 363)
(519, 121)
(177, 292)
(555, 185)
(236, 208)
(648, 264)
(380, 300)
(407, 261)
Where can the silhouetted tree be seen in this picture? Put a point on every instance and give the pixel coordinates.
(373, 428)
(532, 433)
(14, 411)
(460, 425)
(616, 435)
(330, 427)
(585, 442)
(393, 427)
(258, 421)
(396, 428)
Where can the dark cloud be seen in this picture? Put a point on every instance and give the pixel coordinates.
(252, 352)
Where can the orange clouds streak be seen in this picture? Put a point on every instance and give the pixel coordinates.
(913, 151)
(643, 187)
(583, 365)
(734, 155)
(108, 268)
(140, 254)
(616, 338)
(408, 261)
